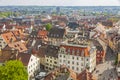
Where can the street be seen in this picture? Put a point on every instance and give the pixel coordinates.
(106, 70)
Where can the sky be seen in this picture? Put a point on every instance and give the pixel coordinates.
(61, 2)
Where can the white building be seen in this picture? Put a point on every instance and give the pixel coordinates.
(77, 57)
(31, 62)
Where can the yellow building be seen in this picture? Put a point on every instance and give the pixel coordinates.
(51, 57)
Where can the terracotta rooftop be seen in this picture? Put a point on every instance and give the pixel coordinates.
(42, 33)
(18, 46)
(8, 37)
(85, 75)
(74, 50)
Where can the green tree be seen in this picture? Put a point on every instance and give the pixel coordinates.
(13, 70)
(48, 26)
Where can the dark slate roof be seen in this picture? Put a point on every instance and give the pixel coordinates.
(5, 20)
(52, 51)
(73, 25)
(107, 23)
(56, 32)
(34, 33)
(24, 58)
(98, 45)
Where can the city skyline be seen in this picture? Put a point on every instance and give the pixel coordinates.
(59, 3)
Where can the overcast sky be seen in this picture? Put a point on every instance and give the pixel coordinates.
(61, 2)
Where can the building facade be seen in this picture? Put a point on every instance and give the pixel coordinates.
(77, 57)
(51, 57)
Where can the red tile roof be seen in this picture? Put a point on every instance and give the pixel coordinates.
(85, 75)
(42, 33)
(82, 51)
(8, 37)
(18, 45)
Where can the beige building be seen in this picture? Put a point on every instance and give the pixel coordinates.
(51, 57)
(56, 36)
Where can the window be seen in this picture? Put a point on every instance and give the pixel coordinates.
(73, 67)
(72, 62)
(18, 45)
(81, 69)
(77, 58)
(73, 57)
(87, 59)
(15, 45)
(82, 59)
(77, 63)
(21, 48)
(60, 55)
(55, 62)
(46, 67)
(81, 64)
(77, 69)
(73, 52)
(4, 42)
(68, 50)
(78, 51)
(68, 62)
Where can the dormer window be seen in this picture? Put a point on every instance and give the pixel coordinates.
(21, 49)
(6, 36)
(18, 45)
(82, 53)
(73, 51)
(69, 50)
(78, 51)
(15, 45)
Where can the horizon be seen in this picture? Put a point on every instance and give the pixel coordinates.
(59, 3)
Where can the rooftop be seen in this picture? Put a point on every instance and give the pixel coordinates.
(52, 51)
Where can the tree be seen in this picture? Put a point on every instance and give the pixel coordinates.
(48, 26)
(13, 70)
